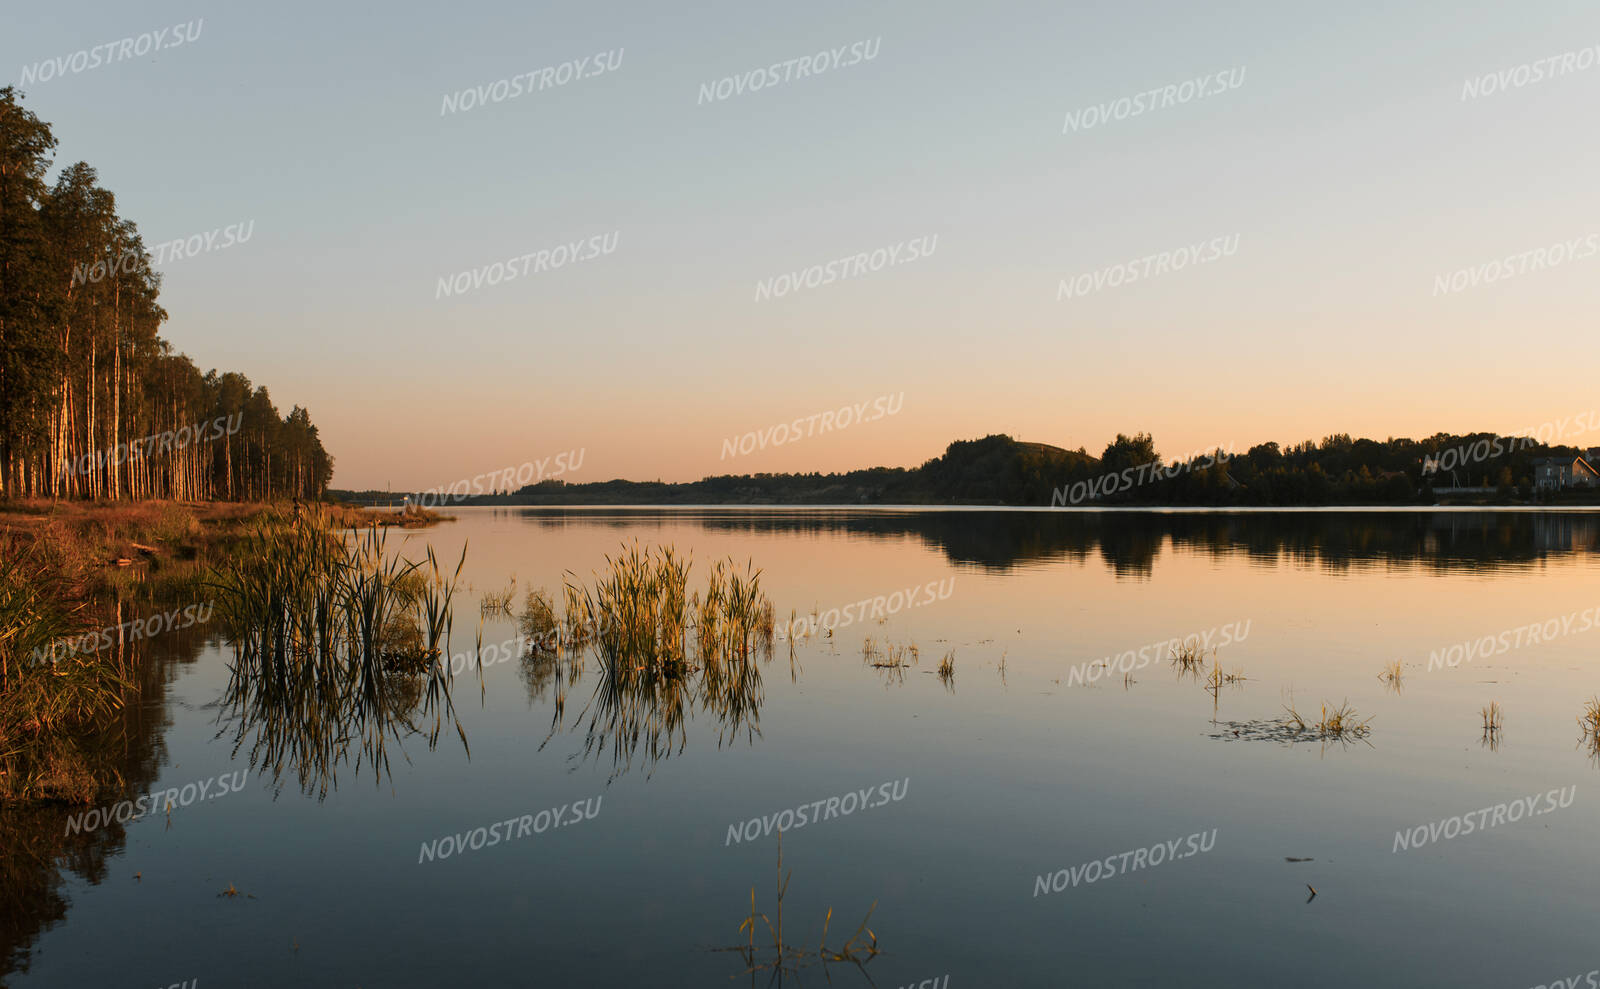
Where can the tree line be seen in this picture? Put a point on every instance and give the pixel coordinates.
(93, 402)
(999, 470)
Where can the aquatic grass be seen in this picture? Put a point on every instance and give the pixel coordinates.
(1493, 718)
(1295, 719)
(538, 622)
(1589, 724)
(1493, 722)
(1216, 679)
(889, 656)
(639, 612)
(733, 617)
(891, 660)
(576, 618)
(947, 670)
(1392, 676)
(498, 602)
(1341, 721)
(1188, 657)
(662, 652)
(787, 958)
(335, 641)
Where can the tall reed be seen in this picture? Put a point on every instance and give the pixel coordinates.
(663, 652)
(336, 641)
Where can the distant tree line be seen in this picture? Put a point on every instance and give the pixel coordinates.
(998, 470)
(93, 403)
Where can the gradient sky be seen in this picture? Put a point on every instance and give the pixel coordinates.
(1347, 163)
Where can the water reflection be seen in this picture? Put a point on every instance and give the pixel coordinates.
(38, 853)
(644, 717)
(307, 722)
(1130, 542)
(339, 648)
(660, 655)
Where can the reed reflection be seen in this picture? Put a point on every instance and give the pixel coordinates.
(661, 655)
(338, 650)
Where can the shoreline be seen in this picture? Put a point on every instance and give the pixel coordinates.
(98, 546)
(1030, 509)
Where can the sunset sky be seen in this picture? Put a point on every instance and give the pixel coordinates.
(1347, 163)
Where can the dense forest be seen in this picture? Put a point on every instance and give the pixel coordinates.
(93, 403)
(998, 470)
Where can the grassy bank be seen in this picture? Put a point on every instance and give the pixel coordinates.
(78, 582)
(98, 547)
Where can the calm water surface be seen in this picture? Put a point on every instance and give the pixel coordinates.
(1013, 771)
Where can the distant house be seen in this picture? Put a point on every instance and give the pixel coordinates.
(1560, 473)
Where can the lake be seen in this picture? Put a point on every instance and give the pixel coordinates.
(1067, 806)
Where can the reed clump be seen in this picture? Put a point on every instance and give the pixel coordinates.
(576, 618)
(1188, 657)
(335, 641)
(639, 612)
(1335, 722)
(1589, 723)
(662, 651)
(298, 592)
(538, 622)
(1493, 718)
(734, 616)
(890, 656)
(498, 602)
(892, 660)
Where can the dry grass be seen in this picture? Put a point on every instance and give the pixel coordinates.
(1493, 718)
(51, 704)
(538, 620)
(498, 602)
(1341, 721)
(95, 547)
(891, 660)
(1589, 722)
(1337, 723)
(889, 656)
(1189, 658)
(409, 517)
(784, 958)
(1216, 679)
